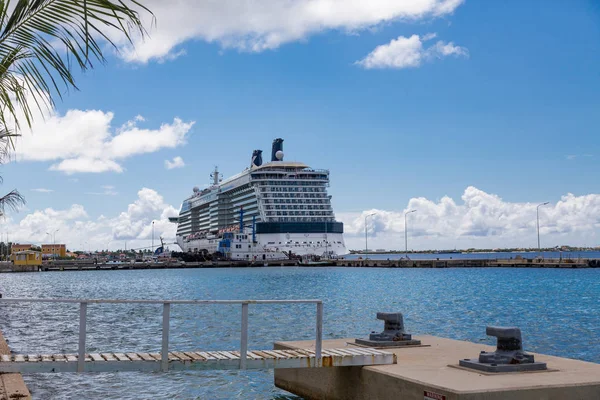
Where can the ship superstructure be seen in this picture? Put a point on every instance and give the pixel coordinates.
(283, 206)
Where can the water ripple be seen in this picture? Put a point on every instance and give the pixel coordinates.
(558, 311)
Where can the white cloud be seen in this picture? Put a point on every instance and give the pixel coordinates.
(42, 190)
(79, 231)
(253, 26)
(482, 220)
(409, 52)
(85, 141)
(572, 157)
(109, 190)
(176, 163)
(136, 222)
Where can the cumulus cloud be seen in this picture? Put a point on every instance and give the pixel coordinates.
(74, 227)
(42, 190)
(136, 222)
(409, 52)
(33, 227)
(480, 220)
(176, 163)
(253, 26)
(85, 141)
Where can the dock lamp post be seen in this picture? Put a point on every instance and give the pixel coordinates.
(537, 211)
(53, 236)
(406, 233)
(152, 237)
(366, 245)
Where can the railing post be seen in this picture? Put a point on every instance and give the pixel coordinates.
(244, 340)
(164, 360)
(319, 338)
(82, 333)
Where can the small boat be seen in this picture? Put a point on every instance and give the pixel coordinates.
(315, 261)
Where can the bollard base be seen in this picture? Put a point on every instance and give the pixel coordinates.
(475, 364)
(387, 343)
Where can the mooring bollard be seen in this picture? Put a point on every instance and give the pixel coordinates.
(509, 355)
(393, 333)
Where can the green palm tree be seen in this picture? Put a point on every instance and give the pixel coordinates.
(41, 43)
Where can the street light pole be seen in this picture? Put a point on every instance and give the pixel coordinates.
(366, 245)
(153, 237)
(537, 211)
(53, 236)
(406, 233)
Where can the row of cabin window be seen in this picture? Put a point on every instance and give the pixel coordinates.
(318, 182)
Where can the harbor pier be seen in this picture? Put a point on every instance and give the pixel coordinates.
(432, 372)
(365, 263)
(474, 263)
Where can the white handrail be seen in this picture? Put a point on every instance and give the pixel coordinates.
(83, 303)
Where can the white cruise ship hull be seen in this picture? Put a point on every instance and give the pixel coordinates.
(284, 205)
(298, 244)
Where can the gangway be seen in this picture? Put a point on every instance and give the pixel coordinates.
(167, 360)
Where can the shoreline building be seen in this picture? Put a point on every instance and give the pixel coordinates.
(54, 250)
(16, 247)
(26, 257)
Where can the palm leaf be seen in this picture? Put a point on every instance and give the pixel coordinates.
(33, 72)
(12, 200)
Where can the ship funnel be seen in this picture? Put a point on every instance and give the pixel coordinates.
(277, 152)
(256, 158)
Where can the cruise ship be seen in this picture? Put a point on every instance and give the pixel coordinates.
(279, 209)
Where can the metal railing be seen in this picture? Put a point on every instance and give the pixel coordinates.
(166, 315)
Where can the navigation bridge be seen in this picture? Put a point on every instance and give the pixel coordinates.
(167, 360)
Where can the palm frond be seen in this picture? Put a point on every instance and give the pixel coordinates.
(33, 72)
(12, 200)
(6, 144)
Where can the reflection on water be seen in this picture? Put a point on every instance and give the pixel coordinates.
(454, 303)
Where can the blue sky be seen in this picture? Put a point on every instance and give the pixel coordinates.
(511, 110)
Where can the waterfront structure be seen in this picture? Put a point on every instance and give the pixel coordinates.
(280, 207)
(54, 250)
(26, 257)
(15, 247)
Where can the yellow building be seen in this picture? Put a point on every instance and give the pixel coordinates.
(54, 250)
(15, 247)
(26, 257)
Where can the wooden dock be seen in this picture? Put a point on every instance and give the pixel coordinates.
(12, 385)
(312, 356)
(194, 360)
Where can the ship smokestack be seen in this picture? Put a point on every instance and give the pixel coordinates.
(277, 151)
(256, 158)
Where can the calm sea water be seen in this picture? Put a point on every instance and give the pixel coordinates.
(557, 310)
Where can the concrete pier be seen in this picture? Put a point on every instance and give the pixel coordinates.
(12, 386)
(473, 263)
(432, 372)
(515, 263)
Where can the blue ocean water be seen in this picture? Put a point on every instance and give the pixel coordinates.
(557, 310)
